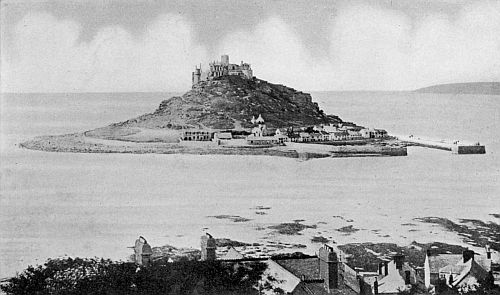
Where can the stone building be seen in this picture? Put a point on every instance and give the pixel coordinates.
(222, 68)
(464, 269)
(325, 274)
(196, 135)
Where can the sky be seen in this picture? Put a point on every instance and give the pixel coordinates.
(149, 45)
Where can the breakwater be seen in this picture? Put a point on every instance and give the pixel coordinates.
(456, 146)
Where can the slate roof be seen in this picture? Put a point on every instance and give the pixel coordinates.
(232, 254)
(436, 262)
(308, 267)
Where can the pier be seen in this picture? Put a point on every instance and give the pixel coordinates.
(456, 146)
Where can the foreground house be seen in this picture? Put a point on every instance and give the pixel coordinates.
(326, 274)
(395, 276)
(459, 270)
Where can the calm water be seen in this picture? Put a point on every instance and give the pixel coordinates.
(55, 204)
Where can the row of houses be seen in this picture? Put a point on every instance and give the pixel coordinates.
(261, 135)
(329, 272)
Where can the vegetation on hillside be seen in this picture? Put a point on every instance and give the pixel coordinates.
(99, 276)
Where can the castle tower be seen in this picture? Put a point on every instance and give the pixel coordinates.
(142, 252)
(224, 60)
(196, 76)
(329, 267)
(208, 247)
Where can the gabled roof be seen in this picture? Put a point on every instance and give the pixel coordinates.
(232, 254)
(471, 269)
(394, 282)
(439, 261)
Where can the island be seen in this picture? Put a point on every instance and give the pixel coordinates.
(484, 88)
(230, 111)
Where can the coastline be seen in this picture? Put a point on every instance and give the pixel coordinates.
(80, 143)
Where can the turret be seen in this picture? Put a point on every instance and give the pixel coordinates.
(196, 76)
(224, 60)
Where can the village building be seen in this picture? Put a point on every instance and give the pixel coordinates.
(222, 68)
(338, 135)
(223, 135)
(304, 137)
(142, 252)
(196, 135)
(325, 274)
(394, 276)
(458, 270)
(353, 134)
(373, 133)
(330, 128)
(262, 136)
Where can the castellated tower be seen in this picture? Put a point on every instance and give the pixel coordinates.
(208, 247)
(329, 267)
(196, 76)
(224, 60)
(221, 68)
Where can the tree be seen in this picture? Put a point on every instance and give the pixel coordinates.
(99, 276)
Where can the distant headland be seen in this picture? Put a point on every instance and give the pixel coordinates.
(488, 88)
(230, 111)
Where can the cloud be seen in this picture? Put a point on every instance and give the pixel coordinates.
(47, 57)
(369, 48)
(373, 48)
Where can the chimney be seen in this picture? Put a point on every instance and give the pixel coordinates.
(380, 268)
(386, 268)
(399, 260)
(329, 267)
(488, 252)
(375, 286)
(142, 252)
(429, 252)
(208, 247)
(467, 255)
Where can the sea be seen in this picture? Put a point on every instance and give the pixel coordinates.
(96, 205)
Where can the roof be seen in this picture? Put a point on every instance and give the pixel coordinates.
(232, 254)
(470, 269)
(439, 261)
(308, 267)
(224, 135)
(394, 282)
(436, 262)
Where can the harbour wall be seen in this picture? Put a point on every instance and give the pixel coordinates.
(455, 147)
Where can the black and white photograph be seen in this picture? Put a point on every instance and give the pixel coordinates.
(250, 147)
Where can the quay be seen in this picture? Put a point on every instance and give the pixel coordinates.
(456, 147)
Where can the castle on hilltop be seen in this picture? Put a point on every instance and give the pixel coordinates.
(222, 68)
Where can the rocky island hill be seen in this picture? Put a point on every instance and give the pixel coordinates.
(217, 116)
(224, 103)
